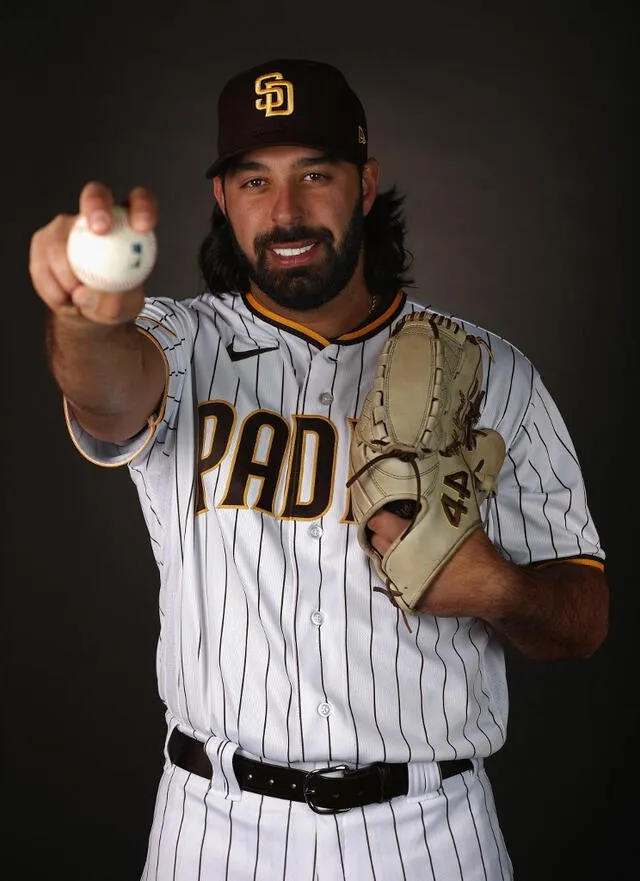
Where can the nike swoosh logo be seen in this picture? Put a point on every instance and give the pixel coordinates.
(236, 355)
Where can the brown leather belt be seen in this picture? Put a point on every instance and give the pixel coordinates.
(327, 790)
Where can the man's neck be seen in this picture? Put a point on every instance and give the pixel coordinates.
(345, 312)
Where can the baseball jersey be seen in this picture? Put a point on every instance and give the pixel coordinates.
(271, 636)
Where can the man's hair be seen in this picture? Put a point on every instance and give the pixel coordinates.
(386, 259)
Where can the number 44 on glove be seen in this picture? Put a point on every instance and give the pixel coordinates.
(416, 450)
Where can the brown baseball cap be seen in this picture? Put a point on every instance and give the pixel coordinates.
(290, 101)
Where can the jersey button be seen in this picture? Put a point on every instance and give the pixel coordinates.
(317, 618)
(324, 709)
(315, 531)
(326, 398)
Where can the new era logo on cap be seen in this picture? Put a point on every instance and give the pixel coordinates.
(290, 101)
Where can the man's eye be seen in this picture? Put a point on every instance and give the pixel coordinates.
(316, 176)
(253, 183)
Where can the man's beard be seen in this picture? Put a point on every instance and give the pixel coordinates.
(305, 287)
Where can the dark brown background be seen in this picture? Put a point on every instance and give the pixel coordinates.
(507, 125)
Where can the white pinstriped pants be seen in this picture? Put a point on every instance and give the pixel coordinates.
(448, 833)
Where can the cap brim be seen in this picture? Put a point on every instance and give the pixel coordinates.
(279, 140)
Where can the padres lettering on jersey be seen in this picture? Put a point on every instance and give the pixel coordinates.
(308, 447)
(271, 634)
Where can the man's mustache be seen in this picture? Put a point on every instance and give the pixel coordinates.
(281, 236)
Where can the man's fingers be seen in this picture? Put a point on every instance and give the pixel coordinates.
(143, 209)
(49, 268)
(48, 286)
(55, 252)
(387, 525)
(96, 202)
(384, 529)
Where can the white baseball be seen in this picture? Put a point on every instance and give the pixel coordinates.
(118, 260)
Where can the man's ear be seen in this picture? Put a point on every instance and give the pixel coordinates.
(370, 183)
(218, 194)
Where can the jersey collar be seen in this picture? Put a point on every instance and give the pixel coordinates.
(354, 336)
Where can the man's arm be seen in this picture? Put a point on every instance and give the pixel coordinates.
(557, 612)
(112, 375)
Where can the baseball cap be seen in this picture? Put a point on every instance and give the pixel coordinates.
(290, 101)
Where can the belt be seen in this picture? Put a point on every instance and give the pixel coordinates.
(329, 790)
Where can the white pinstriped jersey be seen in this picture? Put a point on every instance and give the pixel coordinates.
(271, 636)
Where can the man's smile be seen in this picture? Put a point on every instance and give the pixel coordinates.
(294, 254)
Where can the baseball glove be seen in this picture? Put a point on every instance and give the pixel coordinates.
(416, 450)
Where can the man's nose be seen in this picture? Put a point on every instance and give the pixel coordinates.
(287, 208)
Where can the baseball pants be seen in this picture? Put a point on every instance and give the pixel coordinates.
(446, 832)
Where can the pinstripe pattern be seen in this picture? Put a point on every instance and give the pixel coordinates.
(448, 834)
(271, 636)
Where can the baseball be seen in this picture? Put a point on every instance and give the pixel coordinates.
(115, 261)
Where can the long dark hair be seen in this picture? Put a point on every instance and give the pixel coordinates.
(386, 259)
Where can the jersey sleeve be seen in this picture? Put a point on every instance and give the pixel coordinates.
(172, 327)
(540, 512)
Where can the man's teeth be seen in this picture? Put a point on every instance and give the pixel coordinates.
(292, 252)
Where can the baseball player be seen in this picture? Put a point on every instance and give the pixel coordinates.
(317, 730)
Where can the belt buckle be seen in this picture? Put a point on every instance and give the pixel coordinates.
(309, 792)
